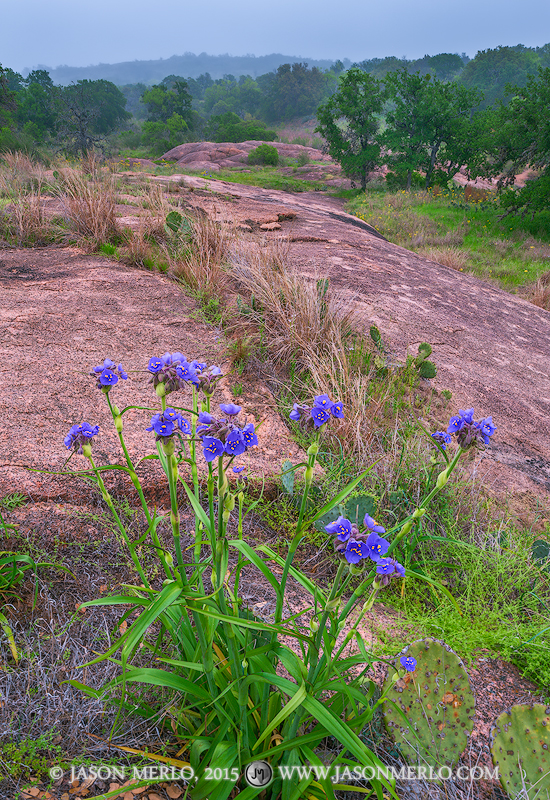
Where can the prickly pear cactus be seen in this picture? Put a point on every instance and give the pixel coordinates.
(359, 504)
(520, 746)
(437, 701)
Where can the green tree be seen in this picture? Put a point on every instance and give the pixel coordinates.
(168, 98)
(87, 111)
(521, 132)
(349, 123)
(36, 112)
(425, 113)
(491, 70)
(7, 99)
(295, 91)
(170, 115)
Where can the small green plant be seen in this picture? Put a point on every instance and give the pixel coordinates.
(426, 369)
(520, 746)
(264, 154)
(303, 159)
(30, 757)
(108, 249)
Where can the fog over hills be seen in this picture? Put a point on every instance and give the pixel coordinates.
(187, 65)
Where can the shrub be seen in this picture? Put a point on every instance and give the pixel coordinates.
(264, 154)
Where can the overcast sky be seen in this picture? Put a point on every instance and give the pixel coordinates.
(56, 32)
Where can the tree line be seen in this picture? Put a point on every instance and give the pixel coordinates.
(430, 116)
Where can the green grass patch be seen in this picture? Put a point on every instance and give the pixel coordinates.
(466, 235)
(269, 178)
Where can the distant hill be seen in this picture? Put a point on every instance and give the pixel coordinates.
(188, 65)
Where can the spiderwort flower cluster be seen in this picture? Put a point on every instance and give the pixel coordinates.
(173, 372)
(322, 410)
(168, 423)
(470, 433)
(80, 435)
(225, 435)
(354, 546)
(108, 374)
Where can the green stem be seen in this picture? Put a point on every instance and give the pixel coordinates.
(109, 500)
(137, 486)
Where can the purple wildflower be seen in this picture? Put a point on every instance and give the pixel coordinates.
(186, 372)
(468, 432)
(355, 551)
(238, 470)
(319, 416)
(408, 662)
(341, 527)
(337, 410)
(385, 566)
(235, 444)
(376, 547)
(212, 448)
(107, 374)
(79, 435)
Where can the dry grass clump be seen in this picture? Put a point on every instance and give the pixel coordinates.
(22, 182)
(539, 294)
(197, 255)
(451, 257)
(19, 174)
(308, 330)
(89, 205)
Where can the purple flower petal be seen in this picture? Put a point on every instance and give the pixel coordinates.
(372, 525)
(230, 409)
(249, 435)
(212, 448)
(235, 444)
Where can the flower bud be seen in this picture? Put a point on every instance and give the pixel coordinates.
(309, 476)
(160, 389)
(118, 424)
(169, 558)
(314, 625)
(419, 513)
(313, 449)
(442, 479)
(87, 450)
(229, 502)
(116, 412)
(168, 445)
(244, 664)
(332, 605)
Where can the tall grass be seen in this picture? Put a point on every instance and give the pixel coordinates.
(22, 183)
(89, 205)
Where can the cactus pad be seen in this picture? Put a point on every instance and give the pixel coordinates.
(437, 701)
(427, 369)
(357, 505)
(520, 746)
